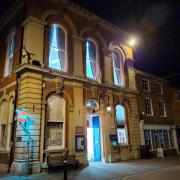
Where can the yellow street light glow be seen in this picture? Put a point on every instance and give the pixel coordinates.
(132, 42)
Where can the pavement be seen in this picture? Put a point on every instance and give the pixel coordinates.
(149, 169)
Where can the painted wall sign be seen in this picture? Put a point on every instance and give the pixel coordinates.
(22, 116)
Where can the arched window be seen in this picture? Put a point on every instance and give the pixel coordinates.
(91, 59)
(117, 69)
(55, 122)
(92, 104)
(3, 123)
(9, 55)
(121, 125)
(57, 48)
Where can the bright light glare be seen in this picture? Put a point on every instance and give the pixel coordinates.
(109, 108)
(132, 42)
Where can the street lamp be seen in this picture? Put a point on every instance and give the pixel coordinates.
(132, 41)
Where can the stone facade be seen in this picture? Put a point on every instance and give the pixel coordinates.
(33, 83)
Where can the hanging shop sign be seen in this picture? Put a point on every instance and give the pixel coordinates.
(22, 116)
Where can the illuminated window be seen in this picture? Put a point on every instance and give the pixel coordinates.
(57, 48)
(9, 56)
(158, 138)
(117, 69)
(148, 106)
(56, 122)
(145, 85)
(91, 59)
(162, 110)
(121, 125)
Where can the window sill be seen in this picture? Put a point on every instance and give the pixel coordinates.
(124, 145)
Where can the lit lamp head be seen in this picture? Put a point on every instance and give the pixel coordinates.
(132, 42)
(109, 108)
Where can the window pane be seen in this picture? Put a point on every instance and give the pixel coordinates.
(166, 139)
(57, 48)
(122, 136)
(10, 53)
(91, 63)
(117, 68)
(120, 114)
(147, 138)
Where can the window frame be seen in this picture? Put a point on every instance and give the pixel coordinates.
(97, 60)
(9, 60)
(121, 70)
(124, 124)
(151, 106)
(164, 108)
(157, 88)
(61, 26)
(50, 123)
(148, 85)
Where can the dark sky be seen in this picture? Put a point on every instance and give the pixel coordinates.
(157, 24)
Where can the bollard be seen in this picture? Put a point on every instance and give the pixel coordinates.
(65, 169)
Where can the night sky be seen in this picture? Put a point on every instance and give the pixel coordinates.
(155, 22)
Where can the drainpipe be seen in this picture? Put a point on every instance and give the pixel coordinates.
(14, 125)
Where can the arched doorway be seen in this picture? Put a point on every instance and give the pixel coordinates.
(94, 128)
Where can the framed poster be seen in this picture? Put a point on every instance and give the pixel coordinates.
(80, 142)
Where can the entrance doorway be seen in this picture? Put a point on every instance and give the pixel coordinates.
(93, 138)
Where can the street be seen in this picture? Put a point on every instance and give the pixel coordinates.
(152, 169)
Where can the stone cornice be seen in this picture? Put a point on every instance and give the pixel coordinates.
(92, 17)
(10, 13)
(48, 73)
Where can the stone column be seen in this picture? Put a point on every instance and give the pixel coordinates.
(33, 39)
(78, 56)
(142, 132)
(108, 67)
(30, 99)
(131, 74)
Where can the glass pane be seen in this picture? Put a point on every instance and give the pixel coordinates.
(120, 114)
(90, 59)
(55, 134)
(147, 138)
(57, 48)
(122, 136)
(166, 140)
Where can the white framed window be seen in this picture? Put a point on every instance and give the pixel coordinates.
(145, 85)
(55, 123)
(159, 88)
(162, 109)
(58, 48)
(9, 56)
(159, 138)
(148, 106)
(118, 69)
(91, 51)
(121, 125)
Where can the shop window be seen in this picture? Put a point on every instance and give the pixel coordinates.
(9, 56)
(121, 125)
(57, 48)
(159, 139)
(117, 69)
(91, 59)
(56, 123)
(148, 106)
(145, 85)
(162, 110)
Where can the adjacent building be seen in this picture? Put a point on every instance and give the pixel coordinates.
(157, 111)
(67, 81)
